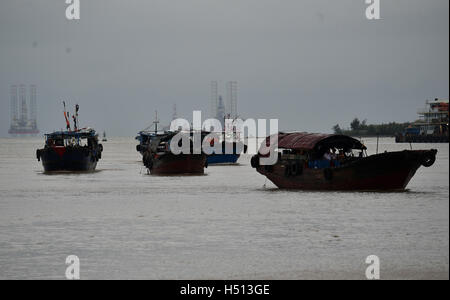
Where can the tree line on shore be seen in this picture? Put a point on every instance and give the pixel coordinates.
(361, 128)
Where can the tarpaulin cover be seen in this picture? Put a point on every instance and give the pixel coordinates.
(309, 141)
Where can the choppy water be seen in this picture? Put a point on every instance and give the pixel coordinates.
(123, 223)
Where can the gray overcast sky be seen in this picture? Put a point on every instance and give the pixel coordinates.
(311, 63)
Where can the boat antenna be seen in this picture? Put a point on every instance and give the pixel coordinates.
(66, 116)
(74, 123)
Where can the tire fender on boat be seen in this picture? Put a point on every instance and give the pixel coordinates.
(328, 174)
(254, 161)
(296, 169)
(38, 155)
(287, 170)
(429, 158)
(299, 168)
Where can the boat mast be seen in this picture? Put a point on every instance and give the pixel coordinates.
(77, 108)
(75, 118)
(156, 122)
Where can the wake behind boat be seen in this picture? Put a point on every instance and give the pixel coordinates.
(337, 162)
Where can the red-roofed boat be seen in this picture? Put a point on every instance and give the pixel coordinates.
(310, 161)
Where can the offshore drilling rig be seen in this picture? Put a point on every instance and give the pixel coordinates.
(24, 123)
(220, 109)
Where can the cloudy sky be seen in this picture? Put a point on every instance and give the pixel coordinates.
(309, 63)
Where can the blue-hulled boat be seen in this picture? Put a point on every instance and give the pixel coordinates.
(222, 159)
(231, 142)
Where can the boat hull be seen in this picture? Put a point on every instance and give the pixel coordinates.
(171, 164)
(68, 159)
(215, 159)
(227, 158)
(386, 171)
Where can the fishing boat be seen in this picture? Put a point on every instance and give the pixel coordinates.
(144, 136)
(309, 161)
(104, 137)
(70, 150)
(160, 160)
(231, 149)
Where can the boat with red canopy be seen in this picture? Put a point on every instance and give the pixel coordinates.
(312, 161)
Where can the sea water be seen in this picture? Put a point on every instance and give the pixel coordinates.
(230, 223)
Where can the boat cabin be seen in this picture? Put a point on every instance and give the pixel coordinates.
(317, 150)
(80, 138)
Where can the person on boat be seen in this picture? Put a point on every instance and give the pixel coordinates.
(333, 154)
(348, 153)
(327, 155)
